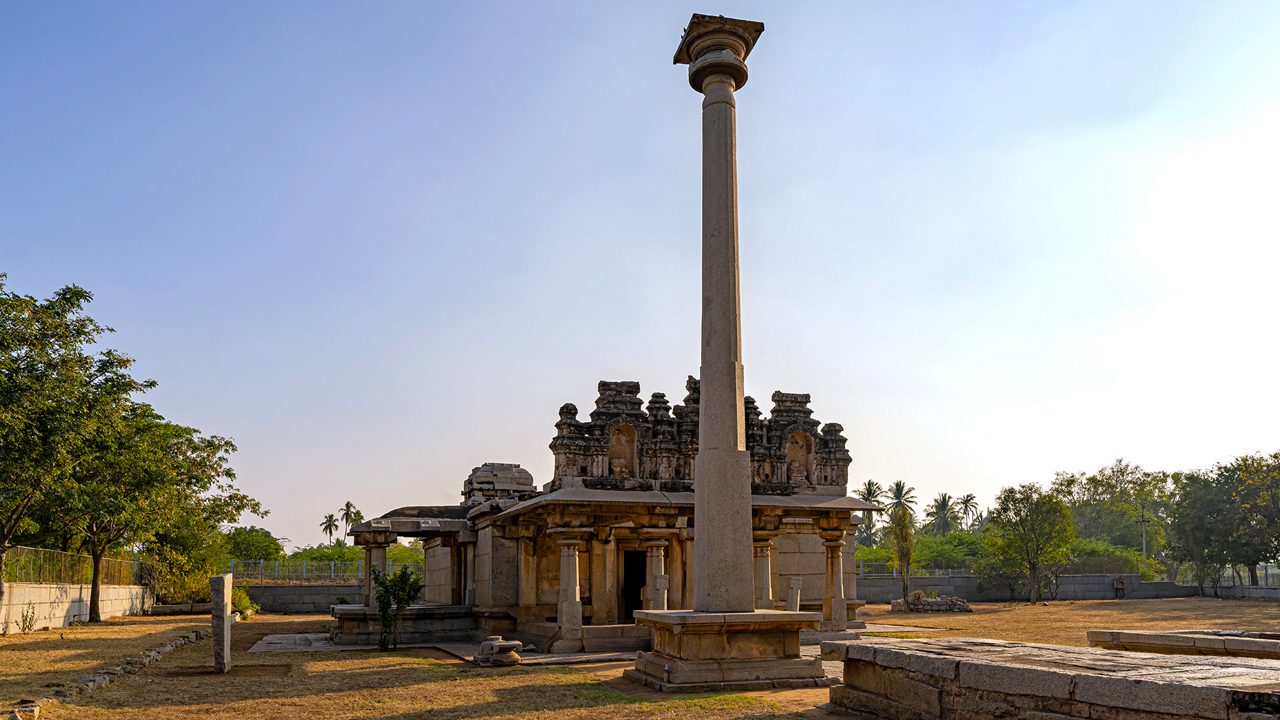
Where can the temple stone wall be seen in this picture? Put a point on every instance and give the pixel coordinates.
(803, 556)
(439, 589)
(497, 580)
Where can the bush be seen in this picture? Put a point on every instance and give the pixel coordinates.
(241, 603)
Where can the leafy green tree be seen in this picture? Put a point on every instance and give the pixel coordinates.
(1255, 485)
(140, 474)
(1121, 504)
(942, 516)
(1032, 527)
(329, 526)
(1202, 523)
(901, 531)
(253, 543)
(50, 382)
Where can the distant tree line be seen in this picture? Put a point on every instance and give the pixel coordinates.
(1197, 525)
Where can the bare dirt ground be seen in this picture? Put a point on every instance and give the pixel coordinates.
(28, 662)
(413, 684)
(1065, 622)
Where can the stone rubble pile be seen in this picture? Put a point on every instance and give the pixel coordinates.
(941, 604)
(29, 708)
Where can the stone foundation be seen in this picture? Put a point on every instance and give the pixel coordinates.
(359, 625)
(1234, 643)
(970, 679)
(698, 652)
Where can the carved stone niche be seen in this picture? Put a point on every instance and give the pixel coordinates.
(623, 453)
(800, 458)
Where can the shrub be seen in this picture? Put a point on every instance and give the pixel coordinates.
(394, 591)
(241, 603)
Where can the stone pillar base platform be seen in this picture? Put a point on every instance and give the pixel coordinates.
(700, 652)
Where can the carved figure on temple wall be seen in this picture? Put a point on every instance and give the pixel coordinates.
(796, 472)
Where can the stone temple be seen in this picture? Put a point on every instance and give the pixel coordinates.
(612, 532)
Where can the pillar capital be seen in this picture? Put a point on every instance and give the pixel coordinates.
(716, 45)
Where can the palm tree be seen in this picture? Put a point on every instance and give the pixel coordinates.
(943, 515)
(348, 513)
(329, 526)
(900, 495)
(356, 518)
(870, 492)
(968, 505)
(902, 533)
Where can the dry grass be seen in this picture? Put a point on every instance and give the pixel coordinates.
(1065, 622)
(428, 684)
(394, 686)
(28, 662)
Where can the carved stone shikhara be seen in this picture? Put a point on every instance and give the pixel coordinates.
(624, 445)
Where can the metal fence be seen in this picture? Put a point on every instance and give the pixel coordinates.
(52, 567)
(1082, 566)
(285, 571)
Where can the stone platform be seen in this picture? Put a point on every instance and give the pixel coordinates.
(359, 625)
(1235, 643)
(968, 679)
(699, 652)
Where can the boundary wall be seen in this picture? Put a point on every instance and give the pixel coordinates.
(60, 605)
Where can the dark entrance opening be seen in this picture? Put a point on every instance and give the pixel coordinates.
(633, 579)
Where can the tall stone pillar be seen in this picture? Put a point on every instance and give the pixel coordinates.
(761, 549)
(655, 551)
(834, 607)
(722, 468)
(724, 642)
(375, 558)
(675, 569)
(569, 607)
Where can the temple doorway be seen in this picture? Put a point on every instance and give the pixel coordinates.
(633, 579)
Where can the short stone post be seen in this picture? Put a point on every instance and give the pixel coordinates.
(834, 607)
(220, 599)
(793, 594)
(661, 583)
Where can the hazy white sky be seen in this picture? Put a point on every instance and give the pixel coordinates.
(381, 244)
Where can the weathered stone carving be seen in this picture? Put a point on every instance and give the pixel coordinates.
(627, 446)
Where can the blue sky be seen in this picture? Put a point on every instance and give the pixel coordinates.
(379, 244)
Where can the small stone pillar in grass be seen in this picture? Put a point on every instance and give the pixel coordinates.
(220, 599)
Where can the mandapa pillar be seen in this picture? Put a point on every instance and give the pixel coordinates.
(834, 606)
(655, 557)
(761, 549)
(569, 606)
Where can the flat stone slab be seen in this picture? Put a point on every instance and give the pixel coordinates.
(319, 642)
(1235, 643)
(936, 677)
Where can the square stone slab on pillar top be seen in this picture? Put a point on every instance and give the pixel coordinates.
(700, 652)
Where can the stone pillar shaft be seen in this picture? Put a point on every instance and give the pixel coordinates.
(834, 608)
(655, 598)
(760, 551)
(722, 484)
(569, 608)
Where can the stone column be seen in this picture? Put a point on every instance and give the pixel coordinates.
(675, 570)
(760, 548)
(220, 599)
(655, 551)
(366, 586)
(834, 607)
(722, 486)
(469, 573)
(569, 607)
(527, 574)
(794, 586)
